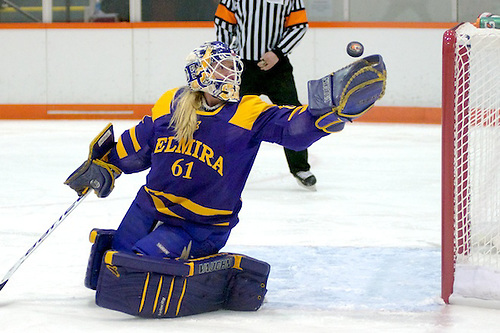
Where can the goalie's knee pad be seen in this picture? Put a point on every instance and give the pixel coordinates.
(167, 288)
(102, 240)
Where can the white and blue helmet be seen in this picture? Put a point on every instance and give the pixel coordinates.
(214, 68)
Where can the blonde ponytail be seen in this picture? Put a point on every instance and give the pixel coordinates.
(184, 118)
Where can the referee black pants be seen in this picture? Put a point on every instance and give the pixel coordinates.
(279, 85)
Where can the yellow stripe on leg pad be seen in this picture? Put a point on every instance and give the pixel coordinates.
(93, 236)
(108, 257)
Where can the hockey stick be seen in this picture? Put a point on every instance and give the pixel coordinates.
(44, 236)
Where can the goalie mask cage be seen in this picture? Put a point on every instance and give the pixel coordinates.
(471, 166)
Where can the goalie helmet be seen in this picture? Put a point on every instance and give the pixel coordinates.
(214, 68)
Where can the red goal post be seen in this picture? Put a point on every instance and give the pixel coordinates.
(471, 165)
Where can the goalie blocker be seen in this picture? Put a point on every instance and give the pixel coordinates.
(167, 288)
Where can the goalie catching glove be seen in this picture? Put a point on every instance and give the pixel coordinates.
(347, 93)
(95, 173)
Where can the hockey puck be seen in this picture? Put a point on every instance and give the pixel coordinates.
(355, 49)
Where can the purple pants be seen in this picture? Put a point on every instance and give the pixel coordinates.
(140, 233)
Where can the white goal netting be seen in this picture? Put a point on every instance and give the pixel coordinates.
(477, 163)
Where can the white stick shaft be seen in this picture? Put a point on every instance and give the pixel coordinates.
(44, 236)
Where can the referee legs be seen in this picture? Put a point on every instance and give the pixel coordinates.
(279, 85)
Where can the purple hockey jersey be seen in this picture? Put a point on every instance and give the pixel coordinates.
(201, 181)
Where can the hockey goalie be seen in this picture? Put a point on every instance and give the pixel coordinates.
(199, 145)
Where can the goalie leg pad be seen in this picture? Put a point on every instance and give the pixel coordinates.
(167, 288)
(102, 240)
(247, 287)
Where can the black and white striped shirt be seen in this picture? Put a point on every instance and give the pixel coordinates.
(253, 27)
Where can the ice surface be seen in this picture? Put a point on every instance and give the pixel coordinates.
(362, 254)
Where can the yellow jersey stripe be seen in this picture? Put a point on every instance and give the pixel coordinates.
(162, 106)
(160, 206)
(120, 149)
(133, 137)
(209, 113)
(249, 109)
(188, 204)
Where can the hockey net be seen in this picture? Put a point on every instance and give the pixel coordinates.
(471, 165)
